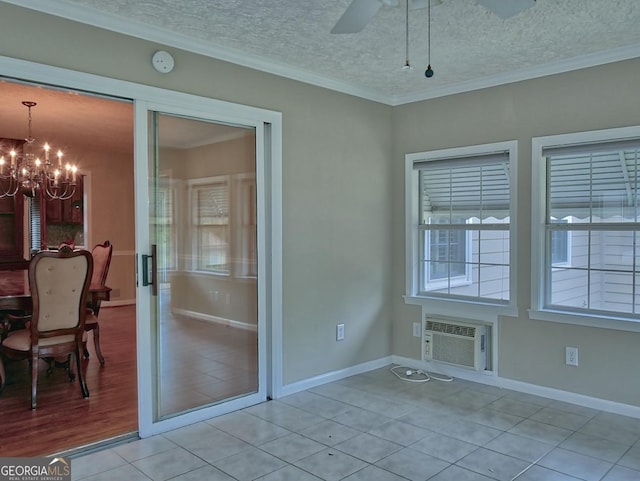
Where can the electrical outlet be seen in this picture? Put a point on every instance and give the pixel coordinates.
(571, 356)
(340, 332)
(417, 329)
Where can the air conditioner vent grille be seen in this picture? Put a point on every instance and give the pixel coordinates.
(454, 329)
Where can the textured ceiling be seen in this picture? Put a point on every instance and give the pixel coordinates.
(471, 47)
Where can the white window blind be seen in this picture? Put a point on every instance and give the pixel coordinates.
(474, 186)
(213, 204)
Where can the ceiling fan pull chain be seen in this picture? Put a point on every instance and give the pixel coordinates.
(407, 66)
(429, 72)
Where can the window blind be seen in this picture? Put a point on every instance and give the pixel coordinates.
(35, 214)
(212, 204)
(598, 179)
(479, 184)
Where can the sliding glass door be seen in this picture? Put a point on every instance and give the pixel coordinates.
(200, 278)
(185, 249)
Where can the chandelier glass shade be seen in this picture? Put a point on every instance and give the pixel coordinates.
(28, 169)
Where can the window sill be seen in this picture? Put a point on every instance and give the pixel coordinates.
(473, 310)
(616, 323)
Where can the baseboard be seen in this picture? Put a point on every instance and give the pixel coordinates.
(192, 314)
(119, 303)
(534, 389)
(574, 398)
(333, 376)
(215, 319)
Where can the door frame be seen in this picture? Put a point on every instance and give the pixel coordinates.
(269, 189)
(213, 111)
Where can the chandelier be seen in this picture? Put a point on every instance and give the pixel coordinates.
(24, 171)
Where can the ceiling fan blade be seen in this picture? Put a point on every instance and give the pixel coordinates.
(507, 8)
(357, 15)
(418, 4)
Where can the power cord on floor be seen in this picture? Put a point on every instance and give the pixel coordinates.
(417, 375)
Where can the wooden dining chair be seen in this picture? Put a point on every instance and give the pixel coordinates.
(59, 282)
(101, 260)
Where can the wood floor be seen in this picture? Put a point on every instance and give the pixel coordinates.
(64, 419)
(203, 363)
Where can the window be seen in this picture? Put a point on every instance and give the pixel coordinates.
(245, 187)
(164, 225)
(588, 223)
(223, 212)
(446, 253)
(560, 244)
(459, 225)
(210, 203)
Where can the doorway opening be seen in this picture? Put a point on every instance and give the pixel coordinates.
(127, 296)
(96, 133)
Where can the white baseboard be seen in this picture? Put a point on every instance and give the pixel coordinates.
(215, 319)
(574, 398)
(193, 314)
(333, 376)
(121, 302)
(489, 378)
(534, 389)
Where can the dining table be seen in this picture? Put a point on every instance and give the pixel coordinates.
(23, 305)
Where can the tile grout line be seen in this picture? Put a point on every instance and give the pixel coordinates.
(528, 467)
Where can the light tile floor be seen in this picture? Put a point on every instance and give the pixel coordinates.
(375, 427)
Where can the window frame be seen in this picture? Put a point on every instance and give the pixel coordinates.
(482, 309)
(241, 226)
(171, 188)
(244, 229)
(460, 280)
(567, 241)
(539, 273)
(196, 185)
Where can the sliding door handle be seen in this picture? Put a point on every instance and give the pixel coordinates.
(149, 277)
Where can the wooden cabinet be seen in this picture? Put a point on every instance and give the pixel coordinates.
(68, 211)
(54, 211)
(11, 219)
(11, 230)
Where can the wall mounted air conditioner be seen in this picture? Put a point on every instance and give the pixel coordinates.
(457, 343)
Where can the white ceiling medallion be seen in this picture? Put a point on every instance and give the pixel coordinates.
(162, 61)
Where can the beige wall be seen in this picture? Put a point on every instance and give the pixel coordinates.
(111, 212)
(336, 191)
(226, 297)
(343, 195)
(529, 351)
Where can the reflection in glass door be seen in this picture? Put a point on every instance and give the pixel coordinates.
(203, 226)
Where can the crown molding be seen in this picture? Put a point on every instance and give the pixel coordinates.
(552, 68)
(107, 21)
